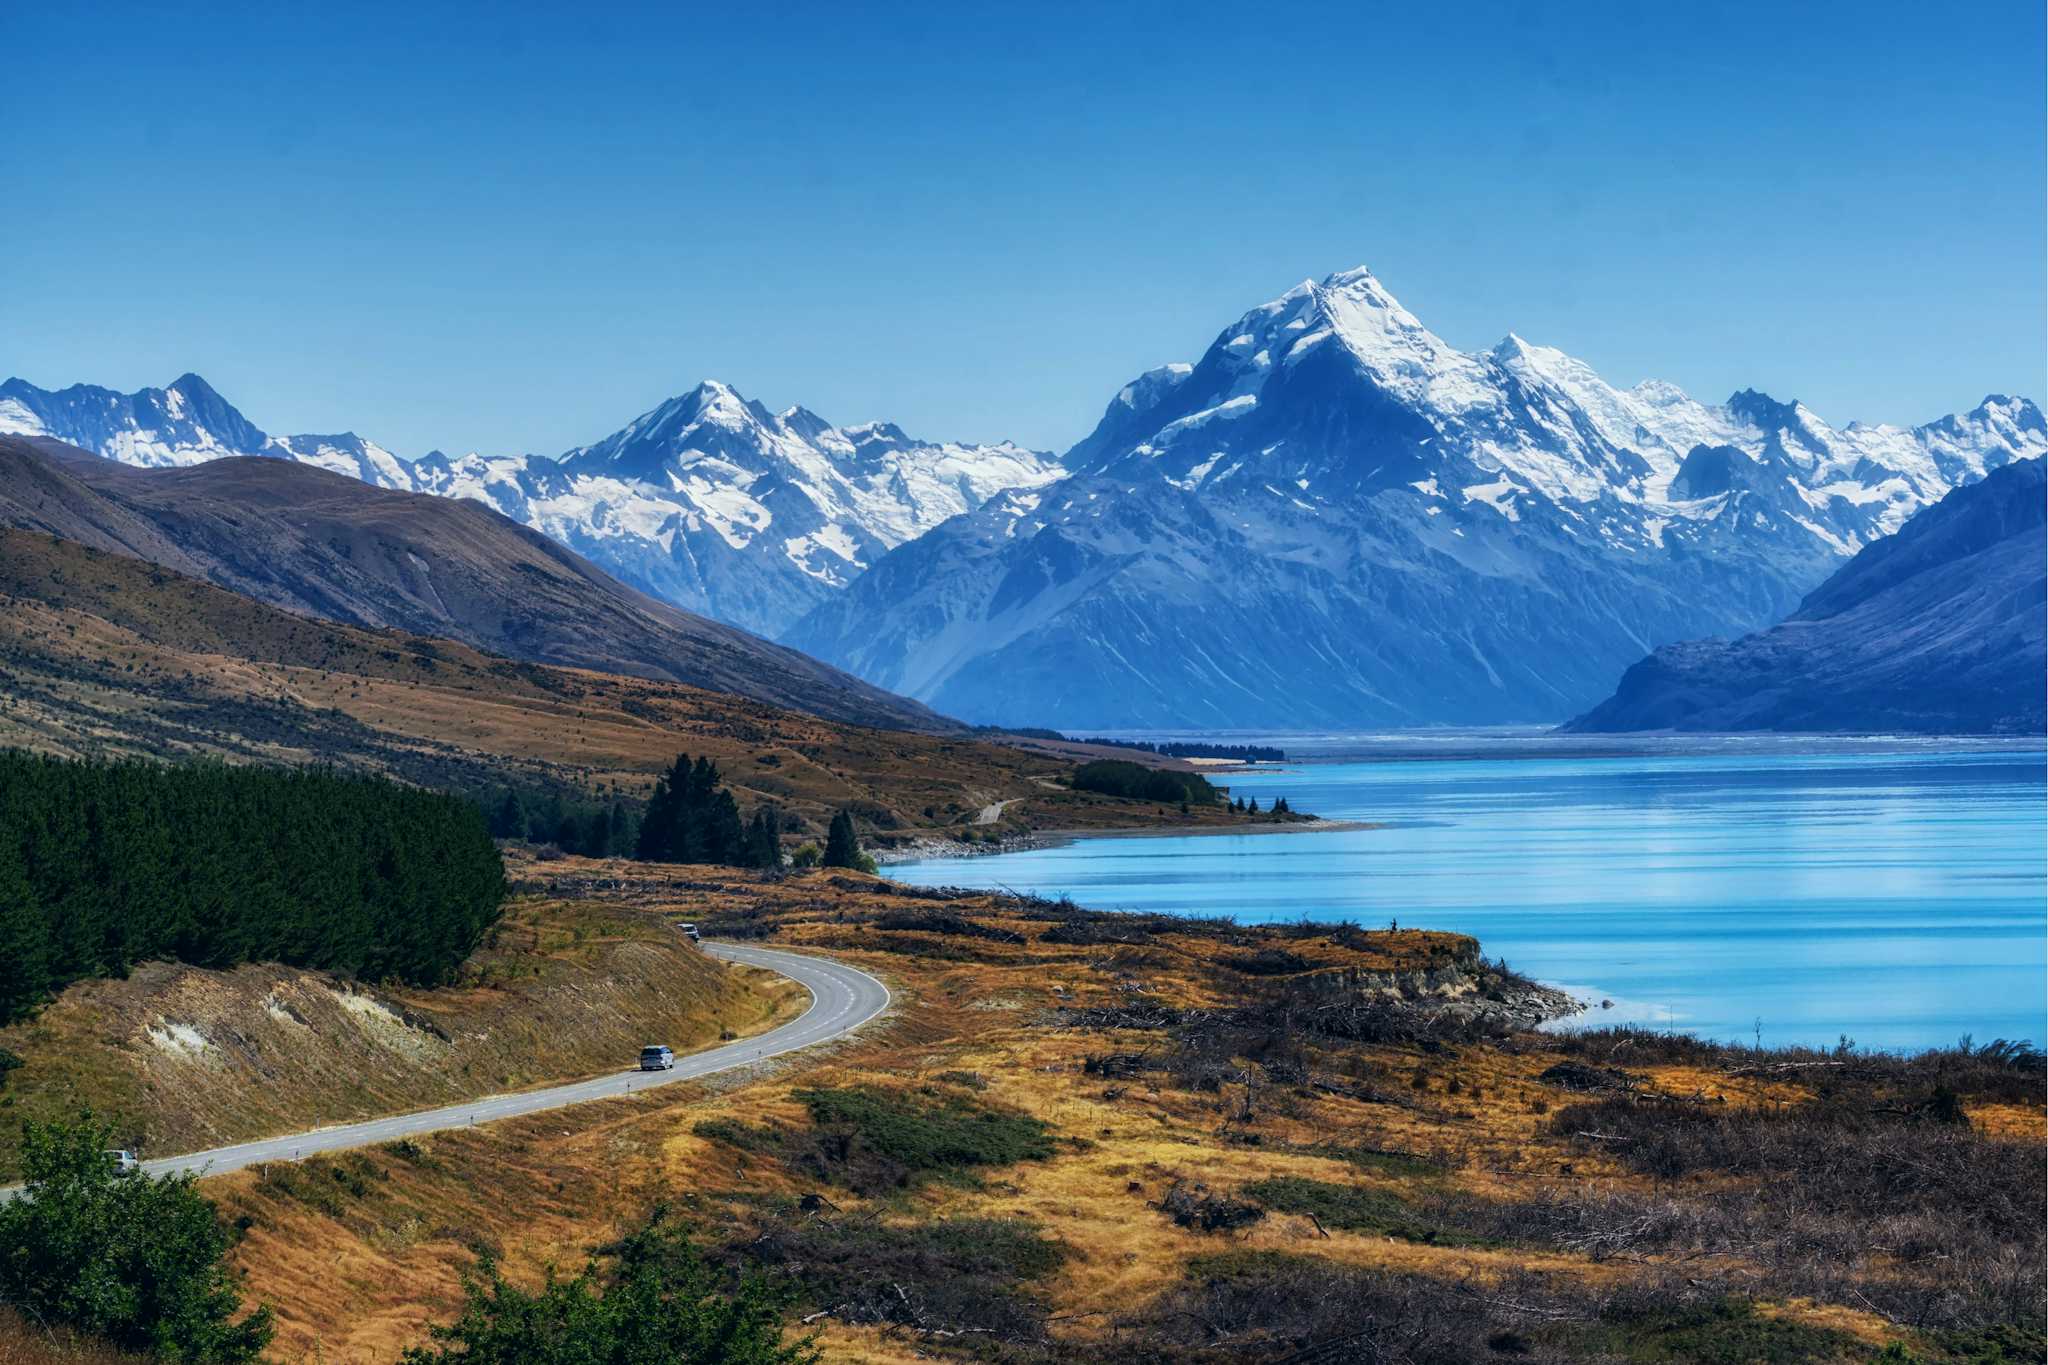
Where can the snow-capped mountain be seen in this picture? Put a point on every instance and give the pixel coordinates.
(709, 500)
(1336, 518)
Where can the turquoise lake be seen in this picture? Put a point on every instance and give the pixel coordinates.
(1891, 892)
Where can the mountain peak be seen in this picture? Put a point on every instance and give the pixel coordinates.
(1357, 277)
(192, 386)
(803, 421)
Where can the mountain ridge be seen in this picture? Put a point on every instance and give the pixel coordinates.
(707, 500)
(1333, 517)
(1935, 629)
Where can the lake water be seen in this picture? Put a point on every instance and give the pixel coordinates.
(1891, 892)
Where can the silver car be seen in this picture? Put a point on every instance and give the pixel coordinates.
(657, 1059)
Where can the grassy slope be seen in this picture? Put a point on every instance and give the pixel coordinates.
(1437, 1168)
(326, 545)
(100, 654)
(182, 1058)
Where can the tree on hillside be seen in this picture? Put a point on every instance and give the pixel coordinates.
(658, 1301)
(842, 842)
(508, 817)
(136, 1259)
(764, 838)
(691, 818)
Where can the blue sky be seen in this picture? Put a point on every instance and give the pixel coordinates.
(504, 229)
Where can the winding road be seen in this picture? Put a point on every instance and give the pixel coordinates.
(842, 999)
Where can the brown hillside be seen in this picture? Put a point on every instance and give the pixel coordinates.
(330, 546)
(101, 654)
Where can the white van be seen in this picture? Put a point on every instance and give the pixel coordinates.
(657, 1059)
(123, 1161)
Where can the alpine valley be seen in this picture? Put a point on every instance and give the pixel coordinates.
(1334, 518)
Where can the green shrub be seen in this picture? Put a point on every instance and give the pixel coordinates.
(1353, 1208)
(135, 1259)
(871, 1139)
(657, 1300)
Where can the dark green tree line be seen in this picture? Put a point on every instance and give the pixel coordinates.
(104, 865)
(592, 829)
(1113, 777)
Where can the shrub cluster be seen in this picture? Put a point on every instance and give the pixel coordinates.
(869, 1139)
(648, 1297)
(956, 1275)
(137, 1260)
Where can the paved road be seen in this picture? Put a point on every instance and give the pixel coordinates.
(842, 999)
(988, 815)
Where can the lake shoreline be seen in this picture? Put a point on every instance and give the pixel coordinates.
(932, 850)
(1890, 895)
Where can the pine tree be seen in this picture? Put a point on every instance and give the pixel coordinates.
(842, 842)
(508, 818)
(764, 839)
(24, 960)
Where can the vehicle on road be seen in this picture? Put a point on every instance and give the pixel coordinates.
(657, 1059)
(123, 1161)
(689, 931)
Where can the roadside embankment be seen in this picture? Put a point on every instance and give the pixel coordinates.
(182, 1058)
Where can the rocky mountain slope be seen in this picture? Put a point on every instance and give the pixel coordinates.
(323, 545)
(1937, 629)
(709, 501)
(1336, 518)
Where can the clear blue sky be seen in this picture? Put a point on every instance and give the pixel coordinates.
(505, 229)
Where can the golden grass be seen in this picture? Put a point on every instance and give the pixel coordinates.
(359, 1265)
